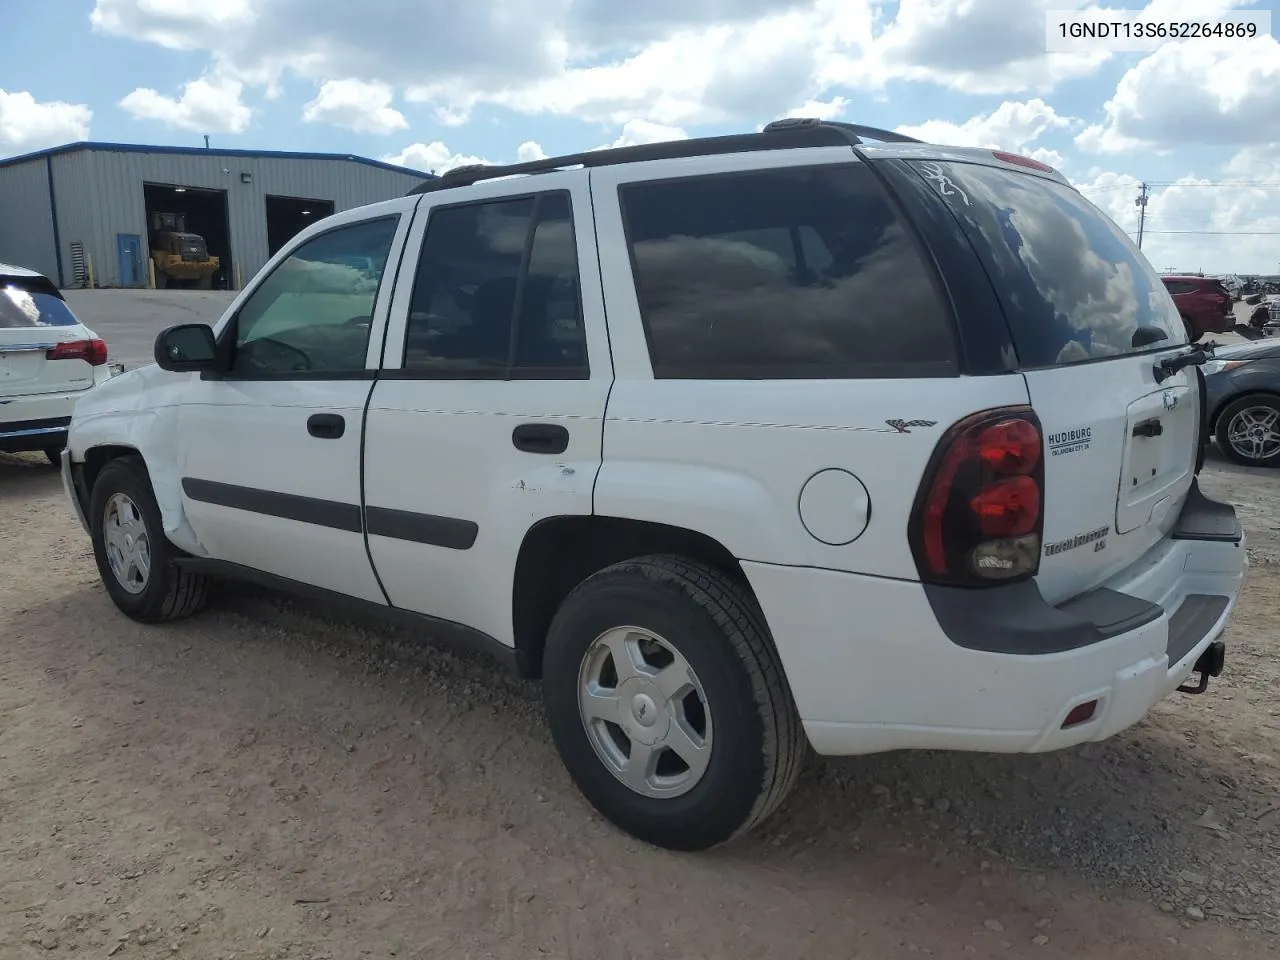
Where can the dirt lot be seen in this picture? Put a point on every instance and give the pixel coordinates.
(265, 781)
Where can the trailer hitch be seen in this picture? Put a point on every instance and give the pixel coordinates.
(1209, 664)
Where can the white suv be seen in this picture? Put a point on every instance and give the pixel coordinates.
(740, 444)
(48, 358)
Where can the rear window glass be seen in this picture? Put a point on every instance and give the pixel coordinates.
(1072, 284)
(773, 274)
(25, 304)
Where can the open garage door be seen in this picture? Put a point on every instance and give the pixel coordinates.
(288, 215)
(187, 229)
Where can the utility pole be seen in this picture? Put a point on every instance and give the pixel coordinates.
(1141, 204)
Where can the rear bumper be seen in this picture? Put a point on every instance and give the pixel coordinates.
(35, 422)
(872, 668)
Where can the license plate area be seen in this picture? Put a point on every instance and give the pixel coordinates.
(1160, 434)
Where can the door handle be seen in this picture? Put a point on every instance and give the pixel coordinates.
(326, 426)
(1148, 428)
(540, 438)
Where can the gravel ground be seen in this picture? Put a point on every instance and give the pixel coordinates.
(267, 781)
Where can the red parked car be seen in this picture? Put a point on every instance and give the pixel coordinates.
(1205, 304)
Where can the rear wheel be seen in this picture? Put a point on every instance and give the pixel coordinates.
(668, 705)
(1248, 431)
(135, 559)
(1193, 335)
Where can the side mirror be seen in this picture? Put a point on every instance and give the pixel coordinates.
(186, 348)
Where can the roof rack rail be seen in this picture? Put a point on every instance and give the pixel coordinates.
(858, 131)
(791, 133)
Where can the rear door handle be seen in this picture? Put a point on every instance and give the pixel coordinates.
(540, 438)
(326, 426)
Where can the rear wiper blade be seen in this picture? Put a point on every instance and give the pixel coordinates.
(1195, 357)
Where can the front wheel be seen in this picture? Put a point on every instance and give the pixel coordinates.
(1249, 431)
(135, 559)
(668, 705)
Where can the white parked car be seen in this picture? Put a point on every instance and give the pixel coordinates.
(741, 444)
(48, 359)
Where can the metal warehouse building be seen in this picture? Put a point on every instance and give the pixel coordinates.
(93, 210)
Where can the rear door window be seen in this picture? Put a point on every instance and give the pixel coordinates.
(496, 293)
(1073, 286)
(771, 274)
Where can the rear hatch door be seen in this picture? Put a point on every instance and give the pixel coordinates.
(1089, 320)
(34, 319)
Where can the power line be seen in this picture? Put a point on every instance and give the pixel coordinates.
(1215, 183)
(1217, 233)
(1174, 183)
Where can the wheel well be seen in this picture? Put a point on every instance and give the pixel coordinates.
(560, 552)
(95, 458)
(1217, 414)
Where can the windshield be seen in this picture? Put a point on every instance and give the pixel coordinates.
(1072, 285)
(23, 304)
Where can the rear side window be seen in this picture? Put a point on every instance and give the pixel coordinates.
(28, 304)
(1072, 284)
(797, 272)
(1178, 287)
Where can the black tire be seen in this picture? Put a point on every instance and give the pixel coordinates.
(162, 280)
(1193, 336)
(55, 456)
(169, 593)
(759, 744)
(204, 283)
(1260, 401)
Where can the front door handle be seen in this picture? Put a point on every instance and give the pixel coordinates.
(540, 438)
(326, 426)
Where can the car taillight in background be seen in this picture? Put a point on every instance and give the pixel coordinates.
(979, 516)
(93, 352)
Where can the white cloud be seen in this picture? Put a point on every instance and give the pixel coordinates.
(529, 151)
(637, 132)
(1011, 126)
(432, 157)
(1190, 93)
(26, 124)
(207, 105)
(821, 109)
(980, 46)
(673, 62)
(1052, 157)
(1215, 225)
(356, 105)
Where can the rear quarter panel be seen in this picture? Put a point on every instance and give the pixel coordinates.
(733, 459)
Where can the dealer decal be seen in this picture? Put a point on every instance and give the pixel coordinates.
(1069, 441)
(1097, 537)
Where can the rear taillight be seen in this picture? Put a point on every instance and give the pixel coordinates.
(93, 352)
(979, 514)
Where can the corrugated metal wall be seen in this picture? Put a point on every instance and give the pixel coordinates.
(100, 195)
(26, 226)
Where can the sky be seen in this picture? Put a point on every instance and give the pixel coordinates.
(432, 84)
